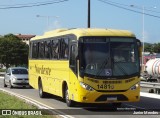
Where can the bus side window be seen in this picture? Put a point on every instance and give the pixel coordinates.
(64, 49)
(41, 50)
(55, 49)
(35, 48)
(73, 61)
(47, 50)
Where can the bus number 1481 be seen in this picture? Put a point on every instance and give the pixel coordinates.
(105, 86)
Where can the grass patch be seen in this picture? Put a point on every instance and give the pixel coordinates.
(12, 102)
(2, 70)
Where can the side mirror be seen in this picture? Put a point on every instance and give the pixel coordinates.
(8, 73)
(139, 47)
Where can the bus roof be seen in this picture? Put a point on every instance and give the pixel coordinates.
(85, 32)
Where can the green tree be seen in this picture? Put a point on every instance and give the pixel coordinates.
(148, 48)
(13, 51)
(156, 48)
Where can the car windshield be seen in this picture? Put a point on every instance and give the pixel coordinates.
(109, 57)
(19, 71)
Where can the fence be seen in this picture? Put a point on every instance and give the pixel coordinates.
(150, 85)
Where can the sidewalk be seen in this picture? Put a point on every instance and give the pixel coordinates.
(1, 77)
(2, 74)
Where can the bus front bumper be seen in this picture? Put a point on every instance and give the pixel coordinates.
(108, 97)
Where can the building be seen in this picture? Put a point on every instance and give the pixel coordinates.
(25, 38)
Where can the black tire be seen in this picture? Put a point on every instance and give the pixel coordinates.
(10, 85)
(42, 94)
(4, 83)
(151, 91)
(30, 87)
(157, 91)
(69, 102)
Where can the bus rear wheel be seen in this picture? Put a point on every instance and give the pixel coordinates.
(42, 94)
(69, 102)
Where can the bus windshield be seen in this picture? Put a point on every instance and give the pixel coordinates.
(109, 57)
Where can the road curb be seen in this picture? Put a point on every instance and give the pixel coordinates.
(1, 77)
(150, 95)
(38, 104)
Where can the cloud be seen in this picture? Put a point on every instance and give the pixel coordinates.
(52, 26)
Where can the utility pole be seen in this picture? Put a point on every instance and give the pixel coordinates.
(89, 4)
(143, 37)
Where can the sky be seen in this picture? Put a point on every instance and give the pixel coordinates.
(16, 18)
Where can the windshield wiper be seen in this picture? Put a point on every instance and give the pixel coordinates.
(121, 68)
(105, 63)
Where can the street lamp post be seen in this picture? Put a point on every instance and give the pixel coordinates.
(143, 37)
(142, 33)
(89, 13)
(48, 17)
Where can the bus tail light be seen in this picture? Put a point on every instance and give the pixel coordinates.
(87, 87)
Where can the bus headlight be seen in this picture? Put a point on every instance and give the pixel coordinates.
(87, 87)
(135, 86)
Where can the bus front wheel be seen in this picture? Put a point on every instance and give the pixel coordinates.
(69, 102)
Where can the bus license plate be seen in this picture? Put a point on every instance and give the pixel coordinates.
(111, 98)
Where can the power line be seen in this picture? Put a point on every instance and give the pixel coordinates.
(7, 5)
(11, 5)
(113, 4)
(32, 4)
(126, 5)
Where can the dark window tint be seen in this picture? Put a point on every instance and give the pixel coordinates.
(34, 50)
(47, 49)
(55, 49)
(41, 49)
(19, 71)
(64, 49)
(73, 64)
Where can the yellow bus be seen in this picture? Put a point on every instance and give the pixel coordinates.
(86, 65)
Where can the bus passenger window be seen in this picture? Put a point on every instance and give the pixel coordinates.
(64, 49)
(34, 50)
(55, 49)
(73, 64)
(66, 53)
(47, 50)
(41, 51)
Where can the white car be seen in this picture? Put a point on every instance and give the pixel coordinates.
(16, 77)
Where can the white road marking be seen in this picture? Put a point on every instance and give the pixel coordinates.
(135, 106)
(38, 104)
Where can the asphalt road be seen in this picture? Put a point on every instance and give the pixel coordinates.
(86, 111)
